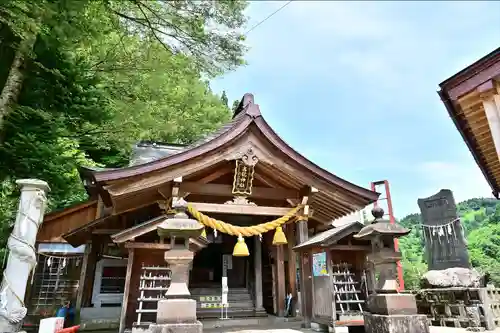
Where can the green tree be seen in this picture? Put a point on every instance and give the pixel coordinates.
(94, 84)
(480, 218)
(205, 32)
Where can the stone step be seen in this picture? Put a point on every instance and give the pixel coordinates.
(232, 313)
(229, 297)
(235, 304)
(217, 291)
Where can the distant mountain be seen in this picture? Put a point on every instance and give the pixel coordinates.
(480, 218)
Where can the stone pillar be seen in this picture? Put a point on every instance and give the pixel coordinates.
(22, 253)
(179, 261)
(258, 274)
(177, 313)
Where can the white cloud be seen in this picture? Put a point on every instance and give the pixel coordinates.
(465, 180)
(369, 71)
(389, 43)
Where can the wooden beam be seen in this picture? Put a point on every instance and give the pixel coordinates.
(226, 190)
(194, 245)
(136, 231)
(126, 292)
(306, 292)
(149, 246)
(81, 283)
(350, 248)
(306, 193)
(176, 187)
(239, 209)
(105, 231)
(214, 175)
(259, 305)
(95, 250)
(329, 267)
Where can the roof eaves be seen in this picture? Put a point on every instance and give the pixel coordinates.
(323, 238)
(471, 70)
(469, 141)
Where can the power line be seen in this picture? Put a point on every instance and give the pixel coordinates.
(268, 17)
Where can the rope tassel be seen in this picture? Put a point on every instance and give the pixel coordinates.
(241, 248)
(279, 237)
(235, 230)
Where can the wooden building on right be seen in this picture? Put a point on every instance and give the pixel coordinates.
(472, 98)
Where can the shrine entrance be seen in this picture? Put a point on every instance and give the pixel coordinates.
(208, 265)
(213, 262)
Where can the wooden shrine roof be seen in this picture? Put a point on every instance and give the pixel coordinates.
(463, 94)
(57, 223)
(330, 236)
(248, 129)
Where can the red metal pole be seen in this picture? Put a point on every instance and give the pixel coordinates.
(392, 220)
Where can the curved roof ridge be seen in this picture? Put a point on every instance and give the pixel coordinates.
(246, 113)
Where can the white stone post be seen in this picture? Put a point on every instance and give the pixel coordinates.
(22, 253)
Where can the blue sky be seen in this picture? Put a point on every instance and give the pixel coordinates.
(352, 86)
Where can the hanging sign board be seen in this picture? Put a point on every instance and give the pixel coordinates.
(243, 178)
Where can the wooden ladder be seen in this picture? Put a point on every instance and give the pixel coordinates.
(344, 286)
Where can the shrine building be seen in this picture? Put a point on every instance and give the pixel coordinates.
(262, 205)
(472, 98)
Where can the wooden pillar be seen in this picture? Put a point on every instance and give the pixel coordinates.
(292, 264)
(81, 283)
(95, 249)
(258, 274)
(330, 285)
(306, 292)
(280, 279)
(126, 291)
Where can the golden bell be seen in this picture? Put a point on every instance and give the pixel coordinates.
(241, 248)
(279, 237)
(204, 233)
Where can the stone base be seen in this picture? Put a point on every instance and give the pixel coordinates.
(396, 323)
(195, 327)
(6, 326)
(392, 304)
(176, 311)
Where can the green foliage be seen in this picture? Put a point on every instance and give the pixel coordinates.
(209, 32)
(99, 77)
(480, 218)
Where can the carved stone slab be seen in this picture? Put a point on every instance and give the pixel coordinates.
(444, 239)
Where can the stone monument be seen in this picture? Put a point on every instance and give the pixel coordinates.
(389, 311)
(441, 228)
(22, 253)
(177, 313)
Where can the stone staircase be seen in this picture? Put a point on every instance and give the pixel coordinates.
(209, 305)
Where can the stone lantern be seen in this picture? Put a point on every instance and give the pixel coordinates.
(177, 313)
(389, 310)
